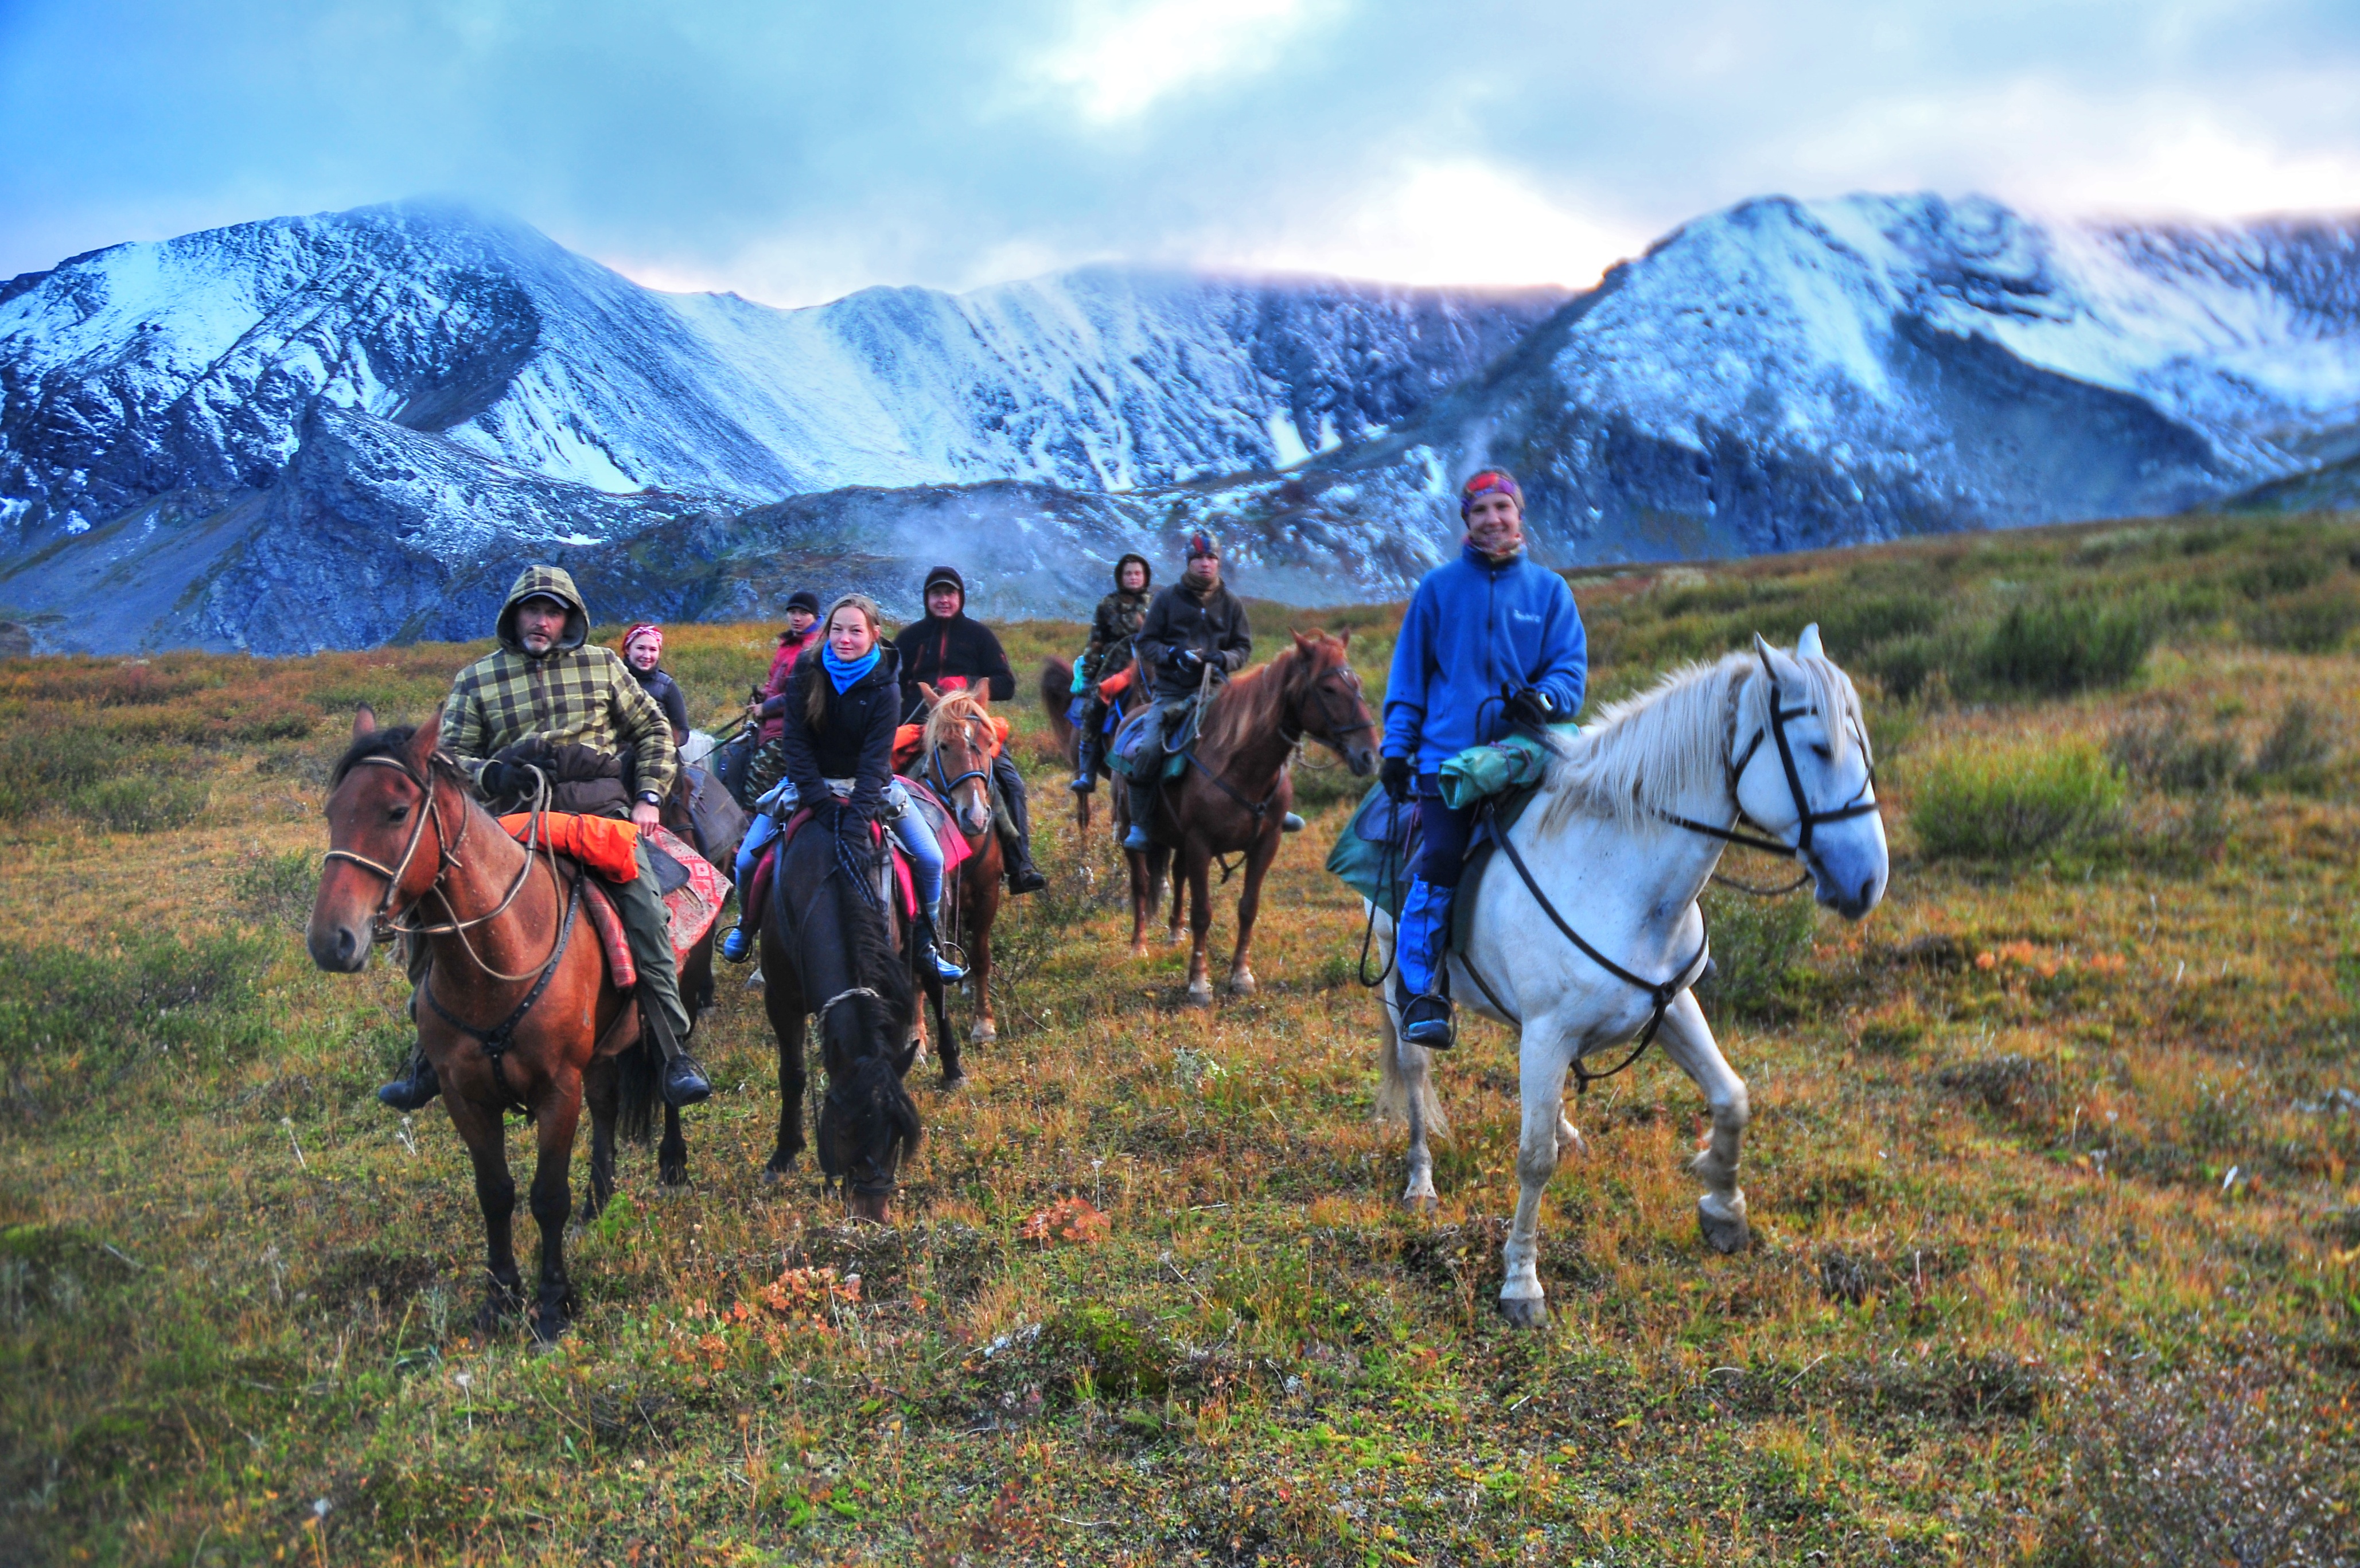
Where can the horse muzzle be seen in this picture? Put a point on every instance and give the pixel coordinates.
(1851, 891)
(1361, 760)
(337, 946)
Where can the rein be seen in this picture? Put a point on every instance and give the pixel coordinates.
(497, 1040)
(1258, 811)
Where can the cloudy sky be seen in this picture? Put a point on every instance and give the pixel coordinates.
(794, 152)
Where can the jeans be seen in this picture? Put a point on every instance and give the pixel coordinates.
(909, 826)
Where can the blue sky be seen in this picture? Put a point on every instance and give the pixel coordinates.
(794, 152)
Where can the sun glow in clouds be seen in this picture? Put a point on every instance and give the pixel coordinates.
(1121, 59)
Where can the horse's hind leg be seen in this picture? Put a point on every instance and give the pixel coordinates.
(487, 1143)
(560, 1112)
(1258, 859)
(1198, 867)
(671, 1154)
(1687, 1040)
(602, 1093)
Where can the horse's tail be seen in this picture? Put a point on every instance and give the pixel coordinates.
(639, 1074)
(1056, 696)
(1393, 1103)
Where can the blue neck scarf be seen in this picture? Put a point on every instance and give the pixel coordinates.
(845, 672)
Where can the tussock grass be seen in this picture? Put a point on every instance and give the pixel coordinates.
(2016, 802)
(2044, 1154)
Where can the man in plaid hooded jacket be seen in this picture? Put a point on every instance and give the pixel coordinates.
(547, 700)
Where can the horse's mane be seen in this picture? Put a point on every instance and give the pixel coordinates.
(1649, 752)
(953, 710)
(392, 741)
(1250, 703)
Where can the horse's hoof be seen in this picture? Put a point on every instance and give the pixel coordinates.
(984, 1033)
(953, 1083)
(1200, 995)
(1524, 1311)
(778, 1169)
(547, 1328)
(672, 1176)
(1139, 949)
(1420, 1202)
(1241, 986)
(1723, 1233)
(1175, 936)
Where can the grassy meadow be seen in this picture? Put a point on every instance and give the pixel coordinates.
(2053, 1170)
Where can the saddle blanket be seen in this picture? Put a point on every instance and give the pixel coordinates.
(1129, 763)
(607, 847)
(1376, 854)
(905, 882)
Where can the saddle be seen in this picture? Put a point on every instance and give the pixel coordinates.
(1183, 717)
(905, 883)
(1378, 850)
(692, 890)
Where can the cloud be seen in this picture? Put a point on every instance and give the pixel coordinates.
(1120, 59)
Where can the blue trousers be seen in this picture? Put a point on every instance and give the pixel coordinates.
(909, 828)
(1445, 833)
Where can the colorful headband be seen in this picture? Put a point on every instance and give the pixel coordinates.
(645, 628)
(1486, 482)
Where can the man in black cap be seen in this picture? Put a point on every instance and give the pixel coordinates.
(951, 651)
(1194, 627)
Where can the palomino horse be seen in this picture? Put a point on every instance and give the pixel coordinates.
(521, 1011)
(955, 763)
(1585, 929)
(827, 950)
(1234, 797)
(1056, 696)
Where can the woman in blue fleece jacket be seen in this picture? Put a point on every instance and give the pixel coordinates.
(1489, 623)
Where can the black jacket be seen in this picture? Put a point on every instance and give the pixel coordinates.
(934, 647)
(667, 693)
(1214, 625)
(854, 739)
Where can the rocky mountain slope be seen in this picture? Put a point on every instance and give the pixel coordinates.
(332, 431)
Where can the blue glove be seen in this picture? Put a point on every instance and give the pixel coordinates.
(1081, 678)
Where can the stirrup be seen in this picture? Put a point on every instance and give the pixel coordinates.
(1427, 1022)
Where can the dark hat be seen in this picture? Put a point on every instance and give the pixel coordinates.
(803, 599)
(942, 574)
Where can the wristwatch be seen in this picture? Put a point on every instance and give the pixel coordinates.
(652, 798)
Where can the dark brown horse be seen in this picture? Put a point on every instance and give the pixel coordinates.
(955, 761)
(828, 952)
(1056, 696)
(518, 1006)
(1239, 785)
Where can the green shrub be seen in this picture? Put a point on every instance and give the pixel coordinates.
(1857, 622)
(1905, 665)
(2296, 754)
(2062, 646)
(2315, 622)
(142, 803)
(69, 1012)
(2016, 802)
(43, 763)
(1756, 943)
(277, 889)
(2166, 756)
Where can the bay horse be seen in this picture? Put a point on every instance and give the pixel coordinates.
(828, 950)
(1585, 931)
(412, 851)
(1057, 698)
(955, 761)
(1239, 785)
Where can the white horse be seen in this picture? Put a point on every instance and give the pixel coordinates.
(1629, 825)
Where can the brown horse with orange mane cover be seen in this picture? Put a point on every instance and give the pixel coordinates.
(1239, 785)
(953, 760)
(514, 960)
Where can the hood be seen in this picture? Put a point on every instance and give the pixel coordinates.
(1146, 587)
(557, 583)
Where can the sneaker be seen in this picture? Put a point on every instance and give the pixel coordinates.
(737, 944)
(415, 1089)
(1427, 1022)
(684, 1082)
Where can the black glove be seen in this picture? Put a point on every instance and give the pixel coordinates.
(504, 782)
(1187, 661)
(1398, 776)
(1533, 707)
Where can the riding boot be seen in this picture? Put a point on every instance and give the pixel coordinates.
(1290, 823)
(1420, 941)
(648, 927)
(1142, 812)
(1086, 763)
(417, 1086)
(923, 936)
(1024, 877)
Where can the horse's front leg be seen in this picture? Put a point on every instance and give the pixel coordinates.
(1146, 887)
(1687, 1040)
(1179, 886)
(555, 1121)
(1543, 1056)
(1258, 858)
(671, 1154)
(982, 910)
(486, 1142)
(1198, 865)
(787, 1024)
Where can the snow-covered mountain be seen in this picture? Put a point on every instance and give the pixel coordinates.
(329, 430)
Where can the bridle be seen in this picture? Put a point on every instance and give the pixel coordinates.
(1773, 729)
(1333, 734)
(385, 920)
(874, 1178)
(939, 777)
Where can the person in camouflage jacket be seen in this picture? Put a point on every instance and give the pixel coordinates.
(548, 701)
(1120, 616)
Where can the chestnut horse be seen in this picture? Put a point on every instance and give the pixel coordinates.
(1056, 697)
(521, 1011)
(1239, 785)
(954, 762)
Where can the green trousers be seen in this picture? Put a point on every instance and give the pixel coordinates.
(647, 925)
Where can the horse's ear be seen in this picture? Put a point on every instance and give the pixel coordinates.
(906, 1058)
(423, 744)
(1808, 644)
(364, 721)
(1344, 637)
(1306, 641)
(1762, 647)
(932, 697)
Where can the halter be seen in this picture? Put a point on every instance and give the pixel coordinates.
(1334, 731)
(943, 783)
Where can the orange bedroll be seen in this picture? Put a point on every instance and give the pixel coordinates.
(607, 846)
(909, 738)
(1115, 685)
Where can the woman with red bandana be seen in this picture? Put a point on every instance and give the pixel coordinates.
(643, 651)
